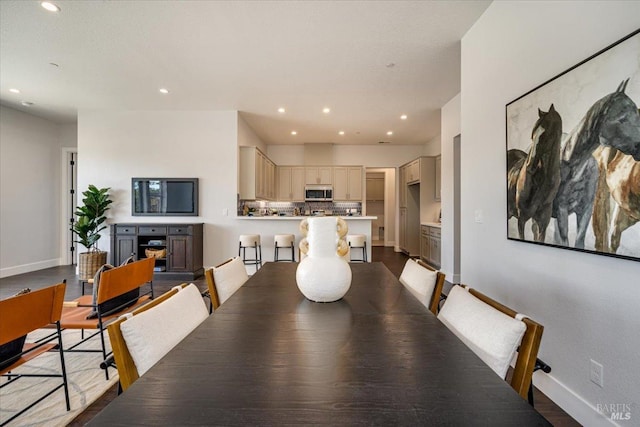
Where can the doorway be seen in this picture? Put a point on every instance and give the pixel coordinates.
(380, 202)
(68, 252)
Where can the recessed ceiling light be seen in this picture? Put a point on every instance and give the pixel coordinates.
(390, 133)
(14, 90)
(50, 6)
(341, 132)
(390, 65)
(293, 132)
(326, 110)
(281, 110)
(403, 117)
(164, 90)
(27, 103)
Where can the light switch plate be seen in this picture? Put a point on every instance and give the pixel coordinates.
(478, 216)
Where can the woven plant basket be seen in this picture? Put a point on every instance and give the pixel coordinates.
(89, 263)
(155, 253)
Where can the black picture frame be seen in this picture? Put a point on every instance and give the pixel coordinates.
(573, 156)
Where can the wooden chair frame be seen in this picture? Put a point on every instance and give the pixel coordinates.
(521, 381)
(127, 370)
(113, 283)
(26, 313)
(434, 304)
(212, 291)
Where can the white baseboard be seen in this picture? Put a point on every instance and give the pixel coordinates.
(571, 403)
(28, 268)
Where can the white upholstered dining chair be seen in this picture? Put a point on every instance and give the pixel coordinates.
(494, 333)
(423, 282)
(224, 280)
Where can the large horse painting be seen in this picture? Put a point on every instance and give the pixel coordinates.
(573, 171)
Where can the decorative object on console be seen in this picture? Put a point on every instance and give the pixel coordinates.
(89, 223)
(323, 275)
(573, 147)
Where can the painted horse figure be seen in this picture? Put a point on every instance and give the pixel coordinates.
(612, 121)
(619, 180)
(534, 178)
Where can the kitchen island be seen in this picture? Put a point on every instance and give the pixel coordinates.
(268, 226)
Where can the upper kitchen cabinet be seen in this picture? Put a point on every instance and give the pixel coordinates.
(291, 183)
(318, 175)
(347, 183)
(413, 172)
(257, 175)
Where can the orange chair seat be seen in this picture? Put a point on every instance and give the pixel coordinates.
(76, 317)
(27, 356)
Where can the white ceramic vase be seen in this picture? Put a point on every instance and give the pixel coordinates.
(323, 275)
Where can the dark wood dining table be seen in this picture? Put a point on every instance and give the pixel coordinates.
(268, 356)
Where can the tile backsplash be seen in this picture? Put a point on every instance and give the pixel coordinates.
(304, 208)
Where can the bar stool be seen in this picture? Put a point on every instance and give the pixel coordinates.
(358, 241)
(284, 241)
(251, 241)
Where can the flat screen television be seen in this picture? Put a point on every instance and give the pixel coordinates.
(164, 196)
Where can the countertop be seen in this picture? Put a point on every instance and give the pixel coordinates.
(300, 218)
(432, 224)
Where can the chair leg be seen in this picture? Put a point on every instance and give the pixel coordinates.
(64, 368)
(365, 252)
(530, 394)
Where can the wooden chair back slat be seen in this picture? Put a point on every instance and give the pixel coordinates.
(124, 362)
(528, 350)
(124, 278)
(434, 304)
(27, 312)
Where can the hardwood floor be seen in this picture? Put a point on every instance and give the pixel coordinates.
(393, 260)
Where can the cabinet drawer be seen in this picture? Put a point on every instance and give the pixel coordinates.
(434, 232)
(128, 229)
(152, 230)
(185, 229)
(424, 230)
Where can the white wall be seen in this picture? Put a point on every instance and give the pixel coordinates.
(30, 218)
(587, 303)
(116, 146)
(433, 146)
(372, 156)
(449, 128)
(247, 137)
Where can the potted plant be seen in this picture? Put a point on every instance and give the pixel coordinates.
(87, 227)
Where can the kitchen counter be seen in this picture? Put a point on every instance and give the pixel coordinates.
(300, 218)
(268, 226)
(432, 224)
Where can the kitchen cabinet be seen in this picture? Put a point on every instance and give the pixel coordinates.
(413, 172)
(438, 179)
(424, 242)
(257, 175)
(318, 175)
(403, 187)
(375, 189)
(403, 230)
(291, 183)
(434, 246)
(182, 243)
(347, 183)
(430, 245)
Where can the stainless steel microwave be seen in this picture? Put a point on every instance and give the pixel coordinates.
(318, 193)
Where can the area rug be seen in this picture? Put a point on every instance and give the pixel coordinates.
(85, 378)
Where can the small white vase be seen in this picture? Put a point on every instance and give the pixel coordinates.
(323, 276)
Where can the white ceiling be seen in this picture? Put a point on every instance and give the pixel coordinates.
(251, 56)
